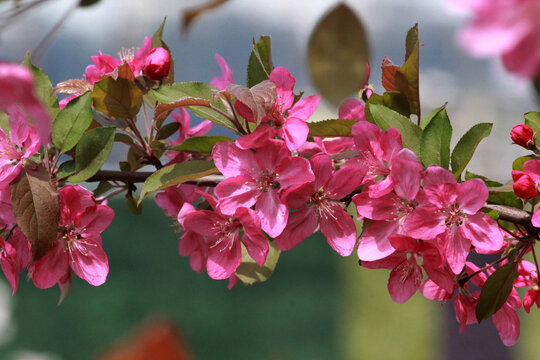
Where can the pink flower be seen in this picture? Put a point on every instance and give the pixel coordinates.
(157, 64)
(524, 185)
(406, 275)
(449, 212)
(523, 135)
(388, 212)
(509, 28)
(226, 75)
(22, 143)
(172, 198)
(15, 255)
(192, 243)
(258, 179)
(17, 89)
(223, 234)
(78, 246)
(318, 202)
(285, 120)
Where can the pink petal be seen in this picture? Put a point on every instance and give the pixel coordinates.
(293, 171)
(272, 212)
(297, 196)
(425, 223)
(236, 192)
(382, 208)
(339, 229)
(257, 138)
(406, 174)
(343, 182)
(294, 133)
(455, 248)
(438, 175)
(94, 220)
(506, 321)
(484, 233)
(90, 261)
(304, 107)
(284, 86)
(374, 244)
(226, 77)
(322, 168)
(472, 195)
(54, 265)
(430, 290)
(404, 281)
(352, 109)
(222, 264)
(301, 224)
(233, 161)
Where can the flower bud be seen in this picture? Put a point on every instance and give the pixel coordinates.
(523, 135)
(524, 185)
(157, 64)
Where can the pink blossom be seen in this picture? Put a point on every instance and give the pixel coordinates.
(191, 243)
(318, 202)
(449, 212)
(78, 246)
(226, 75)
(406, 275)
(157, 64)
(223, 234)
(258, 179)
(17, 89)
(509, 28)
(285, 120)
(172, 198)
(15, 255)
(185, 131)
(388, 212)
(523, 135)
(22, 143)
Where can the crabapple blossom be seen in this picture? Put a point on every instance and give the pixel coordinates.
(157, 64)
(523, 135)
(226, 77)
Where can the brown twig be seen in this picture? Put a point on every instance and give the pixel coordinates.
(141, 176)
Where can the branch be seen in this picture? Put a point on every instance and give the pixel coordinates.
(515, 216)
(141, 176)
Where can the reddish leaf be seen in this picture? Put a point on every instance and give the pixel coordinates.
(72, 86)
(259, 99)
(123, 72)
(162, 110)
(36, 206)
(388, 74)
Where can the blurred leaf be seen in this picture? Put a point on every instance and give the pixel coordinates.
(260, 61)
(435, 144)
(102, 188)
(123, 138)
(43, 87)
(84, 3)
(466, 147)
(91, 152)
(337, 54)
(176, 174)
(173, 92)
(496, 290)
(119, 98)
(191, 14)
(132, 206)
(386, 118)
(36, 206)
(167, 130)
(331, 128)
(71, 123)
(532, 118)
(520, 161)
(4, 122)
(249, 272)
(406, 77)
(72, 86)
(200, 144)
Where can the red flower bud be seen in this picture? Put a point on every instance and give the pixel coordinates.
(157, 64)
(524, 185)
(523, 135)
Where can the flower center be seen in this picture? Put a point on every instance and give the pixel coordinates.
(454, 216)
(267, 181)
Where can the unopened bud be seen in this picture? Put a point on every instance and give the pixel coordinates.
(524, 185)
(157, 64)
(523, 135)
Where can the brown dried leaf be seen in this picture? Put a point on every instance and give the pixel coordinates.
(162, 110)
(123, 71)
(36, 206)
(388, 74)
(193, 13)
(72, 86)
(259, 99)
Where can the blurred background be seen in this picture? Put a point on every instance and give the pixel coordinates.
(316, 305)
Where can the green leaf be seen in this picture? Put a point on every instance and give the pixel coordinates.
(123, 138)
(407, 76)
(66, 169)
(398, 102)
(520, 161)
(331, 128)
(157, 41)
(386, 118)
(338, 52)
(119, 98)
(71, 123)
(132, 206)
(200, 144)
(176, 174)
(250, 272)
(102, 188)
(498, 193)
(168, 130)
(532, 118)
(91, 152)
(260, 61)
(197, 90)
(466, 146)
(496, 290)
(435, 143)
(43, 87)
(4, 122)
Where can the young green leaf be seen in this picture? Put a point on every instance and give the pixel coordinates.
(260, 61)
(176, 174)
(71, 123)
(435, 143)
(386, 118)
(532, 118)
(250, 272)
(520, 161)
(338, 52)
(464, 150)
(43, 87)
(91, 152)
(331, 128)
(119, 98)
(200, 144)
(496, 290)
